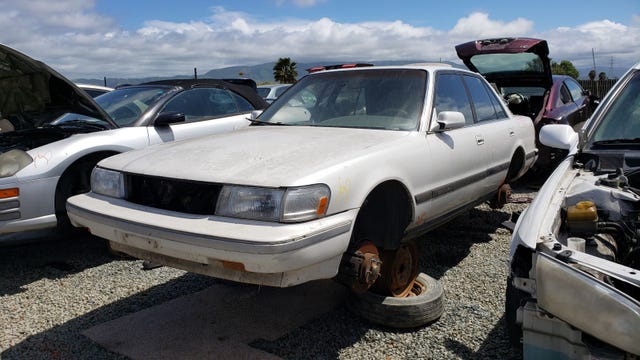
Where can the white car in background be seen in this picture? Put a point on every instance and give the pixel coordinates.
(574, 287)
(52, 133)
(336, 178)
(271, 92)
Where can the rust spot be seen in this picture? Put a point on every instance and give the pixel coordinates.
(232, 265)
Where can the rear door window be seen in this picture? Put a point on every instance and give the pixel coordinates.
(484, 107)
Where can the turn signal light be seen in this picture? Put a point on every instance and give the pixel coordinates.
(9, 193)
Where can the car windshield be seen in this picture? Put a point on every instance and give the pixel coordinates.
(263, 91)
(126, 105)
(619, 125)
(390, 99)
(508, 63)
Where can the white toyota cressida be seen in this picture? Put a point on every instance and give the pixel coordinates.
(336, 178)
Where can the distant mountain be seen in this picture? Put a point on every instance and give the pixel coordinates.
(261, 73)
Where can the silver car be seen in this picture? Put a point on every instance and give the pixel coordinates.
(52, 133)
(574, 285)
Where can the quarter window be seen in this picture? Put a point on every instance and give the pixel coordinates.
(565, 95)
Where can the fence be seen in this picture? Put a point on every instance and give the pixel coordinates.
(598, 88)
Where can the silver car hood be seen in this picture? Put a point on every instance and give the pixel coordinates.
(28, 85)
(260, 155)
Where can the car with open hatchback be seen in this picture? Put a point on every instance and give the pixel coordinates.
(520, 70)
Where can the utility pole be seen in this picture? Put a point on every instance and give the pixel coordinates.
(611, 69)
(195, 73)
(593, 56)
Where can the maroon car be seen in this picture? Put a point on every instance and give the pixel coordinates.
(520, 70)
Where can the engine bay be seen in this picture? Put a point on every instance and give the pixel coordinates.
(601, 217)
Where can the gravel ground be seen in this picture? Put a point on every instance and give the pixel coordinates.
(51, 291)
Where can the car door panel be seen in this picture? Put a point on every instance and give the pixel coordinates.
(458, 155)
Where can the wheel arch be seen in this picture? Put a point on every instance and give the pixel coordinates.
(76, 177)
(387, 209)
(516, 166)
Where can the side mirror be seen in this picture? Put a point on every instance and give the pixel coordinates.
(559, 136)
(254, 114)
(448, 120)
(168, 118)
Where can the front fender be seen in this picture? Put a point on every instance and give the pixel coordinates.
(543, 217)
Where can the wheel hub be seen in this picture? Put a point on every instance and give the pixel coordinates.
(361, 268)
(399, 270)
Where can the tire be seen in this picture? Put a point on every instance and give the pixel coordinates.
(401, 312)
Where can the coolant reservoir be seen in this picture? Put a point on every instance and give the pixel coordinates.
(582, 217)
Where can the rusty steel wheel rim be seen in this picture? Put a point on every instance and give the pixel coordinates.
(399, 270)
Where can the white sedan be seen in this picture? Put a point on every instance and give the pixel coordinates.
(336, 178)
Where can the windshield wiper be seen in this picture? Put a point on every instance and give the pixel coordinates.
(635, 141)
(259, 122)
(79, 124)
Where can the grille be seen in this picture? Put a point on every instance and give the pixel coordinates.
(189, 197)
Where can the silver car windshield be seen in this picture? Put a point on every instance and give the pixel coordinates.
(390, 99)
(620, 123)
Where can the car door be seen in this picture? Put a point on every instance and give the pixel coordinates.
(206, 111)
(498, 131)
(458, 156)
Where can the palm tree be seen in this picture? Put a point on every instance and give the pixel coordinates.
(284, 71)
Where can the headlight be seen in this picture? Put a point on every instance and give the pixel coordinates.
(107, 182)
(13, 161)
(286, 205)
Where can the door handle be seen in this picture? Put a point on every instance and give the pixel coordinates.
(512, 133)
(479, 140)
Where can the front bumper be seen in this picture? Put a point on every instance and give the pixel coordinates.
(248, 251)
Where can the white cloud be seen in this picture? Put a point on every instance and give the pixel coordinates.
(610, 41)
(71, 37)
(478, 26)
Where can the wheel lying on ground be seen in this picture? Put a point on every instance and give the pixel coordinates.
(422, 305)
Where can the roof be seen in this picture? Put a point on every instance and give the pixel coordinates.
(244, 87)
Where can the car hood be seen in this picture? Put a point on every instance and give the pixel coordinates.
(509, 61)
(31, 86)
(260, 155)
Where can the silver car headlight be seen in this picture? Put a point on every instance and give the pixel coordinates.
(268, 204)
(107, 182)
(13, 161)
